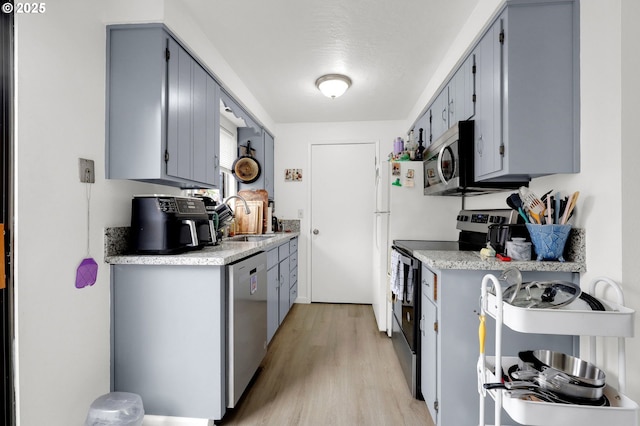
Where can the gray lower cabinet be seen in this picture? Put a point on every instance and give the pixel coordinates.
(449, 348)
(168, 338)
(273, 287)
(282, 283)
(163, 110)
(528, 94)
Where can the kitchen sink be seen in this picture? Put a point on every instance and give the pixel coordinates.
(247, 238)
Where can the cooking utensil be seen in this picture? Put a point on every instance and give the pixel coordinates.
(542, 294)
(572, 204)
(245, 168)
(513, 277)
(515, 203)
(555, 381)
(574, 369)
(532, 203)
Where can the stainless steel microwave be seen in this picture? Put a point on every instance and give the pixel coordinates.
(449, 165)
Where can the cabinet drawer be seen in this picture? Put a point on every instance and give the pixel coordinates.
(293, 245)
(293, 277)
(293, 294)
(283, 251)
(429, 284)
(272, 258)
(293, 259)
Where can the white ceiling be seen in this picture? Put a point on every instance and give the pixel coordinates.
(278, 48)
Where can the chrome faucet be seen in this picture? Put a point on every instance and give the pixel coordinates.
(246, 206)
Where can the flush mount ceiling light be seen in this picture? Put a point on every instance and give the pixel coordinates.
(333, 85)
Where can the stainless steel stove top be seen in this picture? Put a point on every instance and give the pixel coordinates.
(473, 226)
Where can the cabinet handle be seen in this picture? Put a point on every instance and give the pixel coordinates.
(444, 114)
(480, 145)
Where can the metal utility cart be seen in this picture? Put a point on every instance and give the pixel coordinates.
(615, 321)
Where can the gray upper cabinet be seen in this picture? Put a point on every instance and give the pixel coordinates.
(462, 92)
(487, 122)
(456, 101)
(440, 114)
(269, 166)
(528, 92)
(263, 144)
(163, 110)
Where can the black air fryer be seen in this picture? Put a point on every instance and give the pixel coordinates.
(165, 224)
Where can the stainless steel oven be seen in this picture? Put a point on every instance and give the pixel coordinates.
(405, 332)
(406, 308)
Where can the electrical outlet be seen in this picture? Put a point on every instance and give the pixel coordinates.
(300, 213)
(87, 171)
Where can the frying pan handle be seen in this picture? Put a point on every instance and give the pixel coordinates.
(528, 357)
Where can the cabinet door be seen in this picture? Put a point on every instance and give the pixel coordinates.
(429, 353)
(269, 167)
(206, 128)
(192, 119)
(488, 100)
(180, 104)
(440, 114)
(256, 140)
(284, 290)
(272, 302)
(461, 91)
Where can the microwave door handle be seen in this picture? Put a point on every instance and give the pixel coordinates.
(439, 162)
(192, 229)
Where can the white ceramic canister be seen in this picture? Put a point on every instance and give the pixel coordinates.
(518, 249)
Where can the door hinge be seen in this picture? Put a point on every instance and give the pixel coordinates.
(435, 326)
(436, 405)
(502, 150)
(167, 54)
(473, 98)
(166, 155)
(473, 69)
(501, 37)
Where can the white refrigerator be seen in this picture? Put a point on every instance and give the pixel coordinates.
(404, 213)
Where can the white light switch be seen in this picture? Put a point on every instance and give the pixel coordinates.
(300, 213)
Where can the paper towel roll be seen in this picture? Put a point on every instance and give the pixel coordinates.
(269, 229)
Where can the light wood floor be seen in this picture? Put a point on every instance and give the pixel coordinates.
(329, 365)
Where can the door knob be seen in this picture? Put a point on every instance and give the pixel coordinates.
(316, 232)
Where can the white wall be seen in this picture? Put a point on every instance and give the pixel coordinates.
(292, 150)
(62, 333)
(630, 201)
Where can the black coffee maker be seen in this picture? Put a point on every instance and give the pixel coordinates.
(166, 224)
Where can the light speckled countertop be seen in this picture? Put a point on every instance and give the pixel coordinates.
(471, 260)
(222, 254)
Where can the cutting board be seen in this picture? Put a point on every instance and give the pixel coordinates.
(256, 195)
(249, 223)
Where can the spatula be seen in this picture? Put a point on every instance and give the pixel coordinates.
(534, 205)
(570, 206)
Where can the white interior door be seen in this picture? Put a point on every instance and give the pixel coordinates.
(342, 222)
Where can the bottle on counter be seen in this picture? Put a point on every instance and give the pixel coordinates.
(420, 149)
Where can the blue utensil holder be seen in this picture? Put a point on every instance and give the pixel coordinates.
(549, 240)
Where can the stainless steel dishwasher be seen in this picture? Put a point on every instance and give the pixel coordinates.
(247, 322)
